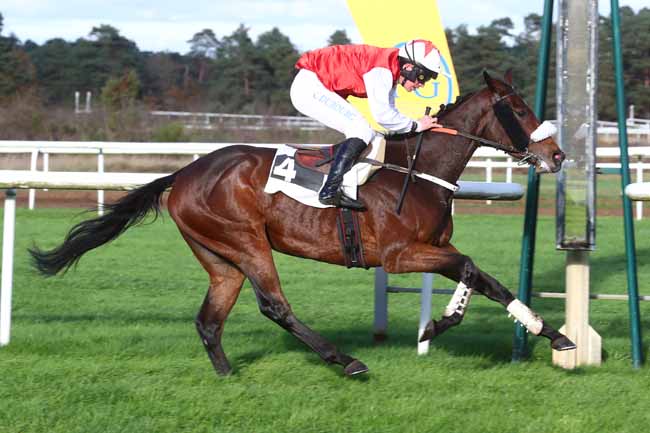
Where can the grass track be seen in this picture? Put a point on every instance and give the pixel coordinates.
(111, 347)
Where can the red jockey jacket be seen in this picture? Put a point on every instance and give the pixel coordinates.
(363, 71)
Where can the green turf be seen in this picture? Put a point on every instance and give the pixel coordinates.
(111, 346)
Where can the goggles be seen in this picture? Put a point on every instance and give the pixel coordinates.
(424, 75)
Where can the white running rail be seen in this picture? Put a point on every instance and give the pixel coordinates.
(485, 158)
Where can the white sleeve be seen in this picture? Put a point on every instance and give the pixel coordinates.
(381, 99)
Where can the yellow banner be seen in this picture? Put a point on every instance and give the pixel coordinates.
(385, 23)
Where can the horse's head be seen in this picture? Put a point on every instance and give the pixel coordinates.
(512, 122)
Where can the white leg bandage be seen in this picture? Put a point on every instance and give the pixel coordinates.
(525, 316)
(459, 301)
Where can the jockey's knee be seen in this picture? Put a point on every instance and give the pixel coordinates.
(360, 130)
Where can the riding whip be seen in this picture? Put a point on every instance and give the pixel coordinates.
(411, 162)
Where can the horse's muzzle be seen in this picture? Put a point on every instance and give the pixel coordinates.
(558, 158)
(549, 165)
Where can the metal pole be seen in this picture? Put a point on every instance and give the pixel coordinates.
(425, 311)
(630, 248)
(100, 192)
(639, 179)
(33, 166)
(381, 304)
(520, 349)
(7, 266)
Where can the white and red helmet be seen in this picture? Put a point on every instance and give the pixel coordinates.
(424, 55)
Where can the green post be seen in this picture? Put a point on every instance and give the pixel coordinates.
(520, 349)
(630, 248)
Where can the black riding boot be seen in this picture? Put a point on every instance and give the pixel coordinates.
(345, 157)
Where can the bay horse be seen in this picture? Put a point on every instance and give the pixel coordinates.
(232, 226)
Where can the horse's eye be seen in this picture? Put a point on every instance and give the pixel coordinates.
(521, 113)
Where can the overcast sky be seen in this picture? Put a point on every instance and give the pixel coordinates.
(165, 25)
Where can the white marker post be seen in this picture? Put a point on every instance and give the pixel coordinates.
(576, 217)
(7, 266)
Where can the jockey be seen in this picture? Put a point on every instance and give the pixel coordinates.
(327, 76)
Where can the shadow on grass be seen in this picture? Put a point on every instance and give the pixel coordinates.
(118, 317)
(469, 341)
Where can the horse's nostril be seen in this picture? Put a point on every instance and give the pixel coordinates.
(558, 157)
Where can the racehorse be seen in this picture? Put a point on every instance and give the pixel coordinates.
(231, 225)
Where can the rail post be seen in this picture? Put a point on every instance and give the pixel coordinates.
(630, 247)
(520, 344)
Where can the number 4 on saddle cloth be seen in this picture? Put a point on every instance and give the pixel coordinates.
(298, 171)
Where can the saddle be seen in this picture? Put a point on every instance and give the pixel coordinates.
(320, 158)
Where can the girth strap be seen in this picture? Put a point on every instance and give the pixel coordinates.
(347, 223)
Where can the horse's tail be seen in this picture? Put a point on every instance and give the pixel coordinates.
(87, 235)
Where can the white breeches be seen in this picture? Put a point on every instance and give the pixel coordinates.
(313, 99)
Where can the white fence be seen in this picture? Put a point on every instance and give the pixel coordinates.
(201, 120)
(485, 158)
(41, 150)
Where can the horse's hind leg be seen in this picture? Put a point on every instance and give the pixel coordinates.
(263, 276)
(225, 283)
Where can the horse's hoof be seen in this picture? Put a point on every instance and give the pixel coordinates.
(223, 371)
(562, 343)
(354, 368)
(429, 331)
(379, 338)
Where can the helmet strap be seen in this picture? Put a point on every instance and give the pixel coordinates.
(409, 75)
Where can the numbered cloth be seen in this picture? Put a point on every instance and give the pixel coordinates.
(303, 184)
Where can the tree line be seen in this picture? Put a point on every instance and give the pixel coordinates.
(236, 74)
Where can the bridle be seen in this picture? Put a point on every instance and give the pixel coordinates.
(521, 139)
(506, 117)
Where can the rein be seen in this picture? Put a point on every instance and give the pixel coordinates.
(484, 141)
(512, 127)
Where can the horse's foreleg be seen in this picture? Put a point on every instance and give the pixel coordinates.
(458, 267)
(533, 322)
(273, 304)
(225, 284)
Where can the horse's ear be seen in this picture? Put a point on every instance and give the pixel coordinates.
(508, 76)
(491, 82)
(486, 76)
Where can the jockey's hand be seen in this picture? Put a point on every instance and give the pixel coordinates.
(426, 123)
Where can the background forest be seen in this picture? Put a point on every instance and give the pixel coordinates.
(236, 74)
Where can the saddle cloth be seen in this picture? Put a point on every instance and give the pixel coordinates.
(303, 184)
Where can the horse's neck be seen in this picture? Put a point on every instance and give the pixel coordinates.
(443, 155)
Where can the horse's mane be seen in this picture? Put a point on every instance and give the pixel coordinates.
(445, 109)
(448, 108)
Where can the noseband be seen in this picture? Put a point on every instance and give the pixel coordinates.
(506, 117)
